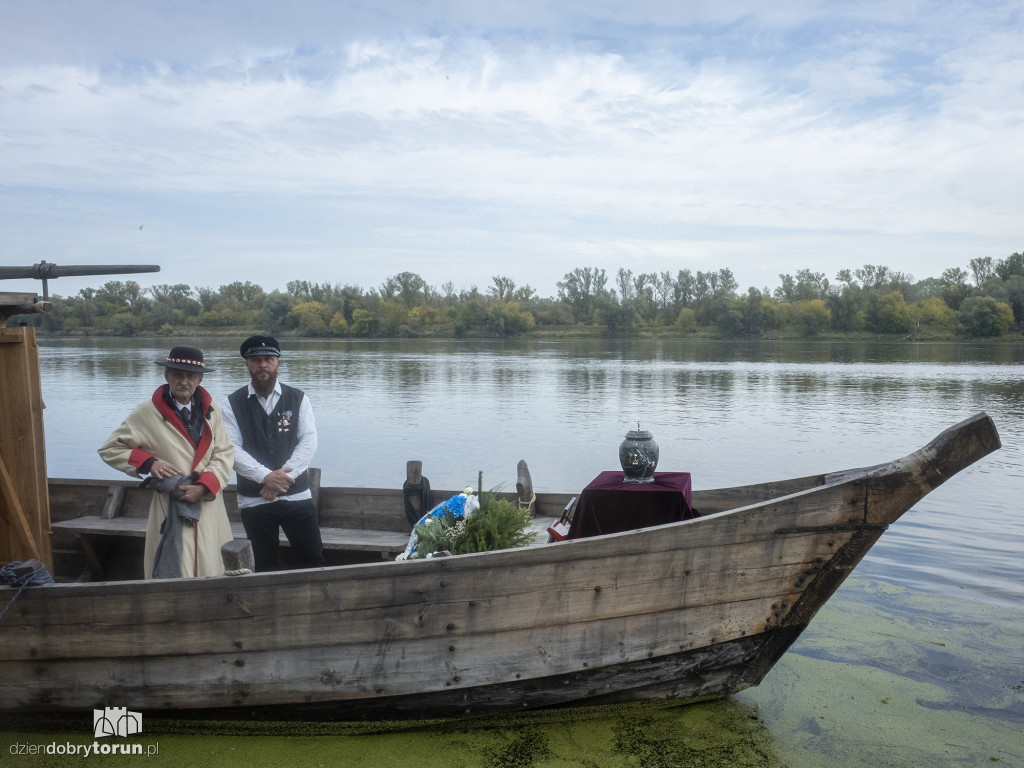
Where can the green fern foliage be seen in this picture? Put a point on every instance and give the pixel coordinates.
(498, 524)
(438, 534)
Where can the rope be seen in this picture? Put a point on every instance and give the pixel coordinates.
(238, 572)
(39, 576)
(424, 494)
(528, 504)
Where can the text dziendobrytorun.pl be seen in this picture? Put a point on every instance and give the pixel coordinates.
(85, 750)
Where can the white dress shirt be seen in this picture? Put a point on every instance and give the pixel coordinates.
(247, 466)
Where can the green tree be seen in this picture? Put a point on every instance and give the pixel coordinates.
(811, 317)
(983, 316)
(408, 287)
(982, 269)
(848, 308)
(624, 285)
(683, 289)
(1013, 294)
(752, 308)
(502, 289)
(805, 286)
(933, 311)
(247, 295)
(924, 289)
(893, 315)
(954, 287)
(517, 320)
(429, 321)
(616, 317)
(552, 312)
(686, 321)
(1010, 266)
(393, 316)
(362, 322)
(644, 299)
(339, 326)
(580, 290)
(311, 318)
(276, 313)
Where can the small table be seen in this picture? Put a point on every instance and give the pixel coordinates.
(609, 505)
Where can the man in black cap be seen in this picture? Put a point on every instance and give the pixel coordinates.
(179, 431)
(271, 426)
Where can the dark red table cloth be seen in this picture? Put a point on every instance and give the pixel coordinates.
(608, 505)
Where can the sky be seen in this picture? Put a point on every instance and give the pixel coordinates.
(346, 142)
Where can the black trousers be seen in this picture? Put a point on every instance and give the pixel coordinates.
(298, 520)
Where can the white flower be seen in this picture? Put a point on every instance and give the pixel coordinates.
(468, 491)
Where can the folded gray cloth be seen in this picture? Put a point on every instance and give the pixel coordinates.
(167, 563)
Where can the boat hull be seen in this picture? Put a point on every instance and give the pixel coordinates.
(687, 610)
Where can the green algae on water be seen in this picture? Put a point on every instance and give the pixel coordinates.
(640, 735)
(886, 675)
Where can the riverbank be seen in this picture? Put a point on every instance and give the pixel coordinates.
(581, 332)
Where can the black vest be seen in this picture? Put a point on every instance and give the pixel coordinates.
(268, 438)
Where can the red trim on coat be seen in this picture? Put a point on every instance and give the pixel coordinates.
(210, 481)
(138, 457)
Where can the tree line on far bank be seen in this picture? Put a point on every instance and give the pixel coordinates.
(986, 301)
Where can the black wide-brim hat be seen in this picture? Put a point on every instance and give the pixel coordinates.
(185, 359)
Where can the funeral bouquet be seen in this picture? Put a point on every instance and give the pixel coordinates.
(469, 523)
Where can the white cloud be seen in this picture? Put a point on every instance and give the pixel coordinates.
(829, 143)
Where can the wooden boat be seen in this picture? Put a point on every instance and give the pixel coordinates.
(686, 610)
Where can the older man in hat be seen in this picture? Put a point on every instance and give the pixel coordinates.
(272, 428)
(177, 437)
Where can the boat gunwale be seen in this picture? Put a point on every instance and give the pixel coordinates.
(454, 563)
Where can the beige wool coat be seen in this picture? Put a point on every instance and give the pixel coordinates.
(153, 430)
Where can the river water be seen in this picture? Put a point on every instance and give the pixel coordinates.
(730, 413)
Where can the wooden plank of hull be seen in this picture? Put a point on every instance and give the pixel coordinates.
(704, 672)
(384, 667)
(306, 611)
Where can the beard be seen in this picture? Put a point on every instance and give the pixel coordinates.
(265, 386)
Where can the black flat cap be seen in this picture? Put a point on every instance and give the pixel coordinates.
(260, 345)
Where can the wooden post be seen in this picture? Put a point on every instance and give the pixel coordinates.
(237, 555)
(414, 477)
(24, 497)
(314, 474)
(115, 502)
(524, 486)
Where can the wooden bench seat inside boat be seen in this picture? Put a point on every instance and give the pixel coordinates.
(97, 523)
(388, 543)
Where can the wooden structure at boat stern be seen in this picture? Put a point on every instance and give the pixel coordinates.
(24, 504)
(686, 610)
(24, 501)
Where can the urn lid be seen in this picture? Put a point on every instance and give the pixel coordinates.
(639, 434)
